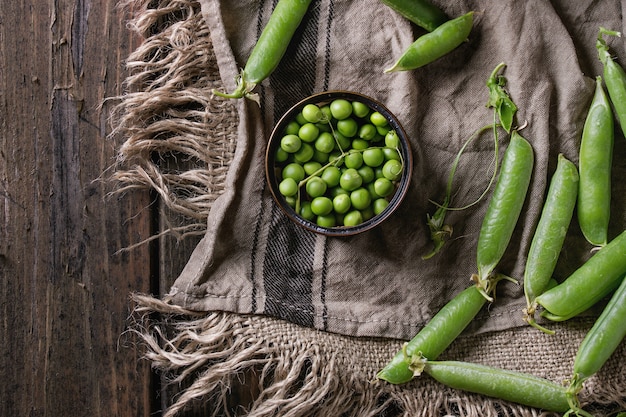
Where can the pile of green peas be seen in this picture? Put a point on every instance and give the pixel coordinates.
(338, 163)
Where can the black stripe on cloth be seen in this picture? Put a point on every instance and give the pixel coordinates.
(289, 256)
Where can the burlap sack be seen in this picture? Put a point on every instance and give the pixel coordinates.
(310, 319)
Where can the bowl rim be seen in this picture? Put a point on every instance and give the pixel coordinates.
(405, 149)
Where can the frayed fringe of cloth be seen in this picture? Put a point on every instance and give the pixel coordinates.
(236, 365)
(178, 140)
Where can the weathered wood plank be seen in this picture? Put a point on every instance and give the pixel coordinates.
(64, 285)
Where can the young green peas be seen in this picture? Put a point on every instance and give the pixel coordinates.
(360, 144)
(290, 143)
(293, 170)
(292, 128)
(378, 119)
(325, 142)
(367, 132)
(359, 109)
(308, 132)
(288, 187)
(353, 218)
(315, 187)
(391, 153)
(360, 198)
(392, 170)
(321, 206)
(380, 204)
(373, 157)
(350, 180)
(306, 212)
(354, 160)
(340, 109)
(342, 203)
(311, 167)
(326, 220)
(392, 140)
(348, 127)
(331, 175)
(281, 155)
(304, 154)
(366, 173)
(383, 187)
(312, 113)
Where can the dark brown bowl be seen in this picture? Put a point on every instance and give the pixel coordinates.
(273, 174)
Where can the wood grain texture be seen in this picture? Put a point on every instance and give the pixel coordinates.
(65, 285)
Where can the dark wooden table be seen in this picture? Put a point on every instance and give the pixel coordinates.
(66, 280)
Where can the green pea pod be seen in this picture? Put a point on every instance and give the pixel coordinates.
(504, 207)
(550, 234)
(586, 286)
(431, 46)
(596, 154)
(614, 77)
(513, 386)
(270, 47)
(421, 12)
(604, 337)
(435, 336)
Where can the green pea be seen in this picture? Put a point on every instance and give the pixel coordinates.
(380, 204)
(321, 157)
(281, 155)
(367, 213)
(326, 220)
(325, 142)
(312, 113)
(367, 173)
(373, 157)
(392, 170)
(321, 206)
(350, 179)
(311, 167)
(306, 212)
(342, 203)
(290, 143)
(304, 154)
(326, 111)
(367, 132)
(288, 187)
(331, 176)
(391, 153)
(340, 109)
(294, 171)
(383, 187)
(292, 128)
(360, 144)
(342, 142)
(353, 160)
(353, 218)
(378, 119)
(315, 187)
(308, 132)
(431, 46)
(348, 127)
(359, 109)
(392, 140)
(360, 198)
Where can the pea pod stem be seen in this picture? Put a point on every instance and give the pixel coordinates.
(499, 98)
(440, 232)
(433, 45)
(270, 47)
(421, 12)
(512, 386)
(586, 286)
(596, 153)
(504, 208)
(600, 342)
(550, 235)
